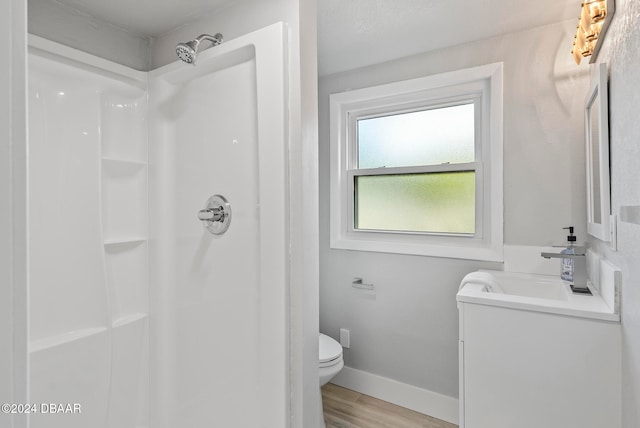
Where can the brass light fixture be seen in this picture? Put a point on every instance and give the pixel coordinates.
(594, 20)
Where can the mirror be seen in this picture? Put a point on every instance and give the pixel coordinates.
(597, 155)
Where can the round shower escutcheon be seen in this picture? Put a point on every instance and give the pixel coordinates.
(216, 215)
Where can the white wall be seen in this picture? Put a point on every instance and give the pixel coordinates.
(62, 24)
(13, 238)
(300, 15)
(620, 51)
(409, 331)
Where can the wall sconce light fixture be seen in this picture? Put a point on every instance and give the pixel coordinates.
(594, 20)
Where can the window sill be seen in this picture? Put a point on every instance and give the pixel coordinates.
(452, 248)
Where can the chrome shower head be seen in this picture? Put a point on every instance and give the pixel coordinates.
(187, 52)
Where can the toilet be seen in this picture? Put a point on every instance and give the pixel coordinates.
(330, 361)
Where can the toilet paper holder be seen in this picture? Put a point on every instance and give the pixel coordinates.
(358, 283)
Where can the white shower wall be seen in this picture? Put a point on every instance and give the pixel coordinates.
(137, 313)
(87, 246)
(220, 301)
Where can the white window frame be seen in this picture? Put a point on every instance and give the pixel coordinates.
(480, 85)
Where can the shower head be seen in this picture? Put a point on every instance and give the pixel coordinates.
(187, 52)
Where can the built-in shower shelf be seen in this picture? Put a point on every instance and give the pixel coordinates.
(122, 167)
(113, 242)
(64, 338)
(128, 319)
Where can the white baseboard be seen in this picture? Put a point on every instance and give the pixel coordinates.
(411, 397)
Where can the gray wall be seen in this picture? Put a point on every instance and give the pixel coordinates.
(621, 50)
(6, 183)
(240, 18)
(13, 208)
(64, 25)
(409, 330)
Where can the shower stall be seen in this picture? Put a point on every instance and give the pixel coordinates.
(139, 315)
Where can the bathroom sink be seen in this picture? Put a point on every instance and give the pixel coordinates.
(532, 292)
(536, 287)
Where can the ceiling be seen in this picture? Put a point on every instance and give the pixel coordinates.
(355, 33)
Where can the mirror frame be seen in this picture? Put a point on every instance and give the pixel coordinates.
(598, 177)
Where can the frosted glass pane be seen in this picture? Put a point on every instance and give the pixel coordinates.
(434, 202)
(428, 137)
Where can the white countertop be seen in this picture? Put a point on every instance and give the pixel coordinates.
(569, 303)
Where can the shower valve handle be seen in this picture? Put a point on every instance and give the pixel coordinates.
(211, 214)
(216, 215)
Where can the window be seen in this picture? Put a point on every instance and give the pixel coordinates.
(416, 166)
(423, 163)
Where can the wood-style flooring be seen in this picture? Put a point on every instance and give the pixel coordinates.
(344, 408)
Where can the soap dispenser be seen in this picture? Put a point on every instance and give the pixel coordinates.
(567, 263)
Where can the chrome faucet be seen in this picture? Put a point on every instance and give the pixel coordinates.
(579, 268)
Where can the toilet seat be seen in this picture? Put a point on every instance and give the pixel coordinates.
(331, 363)
(330, 351)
